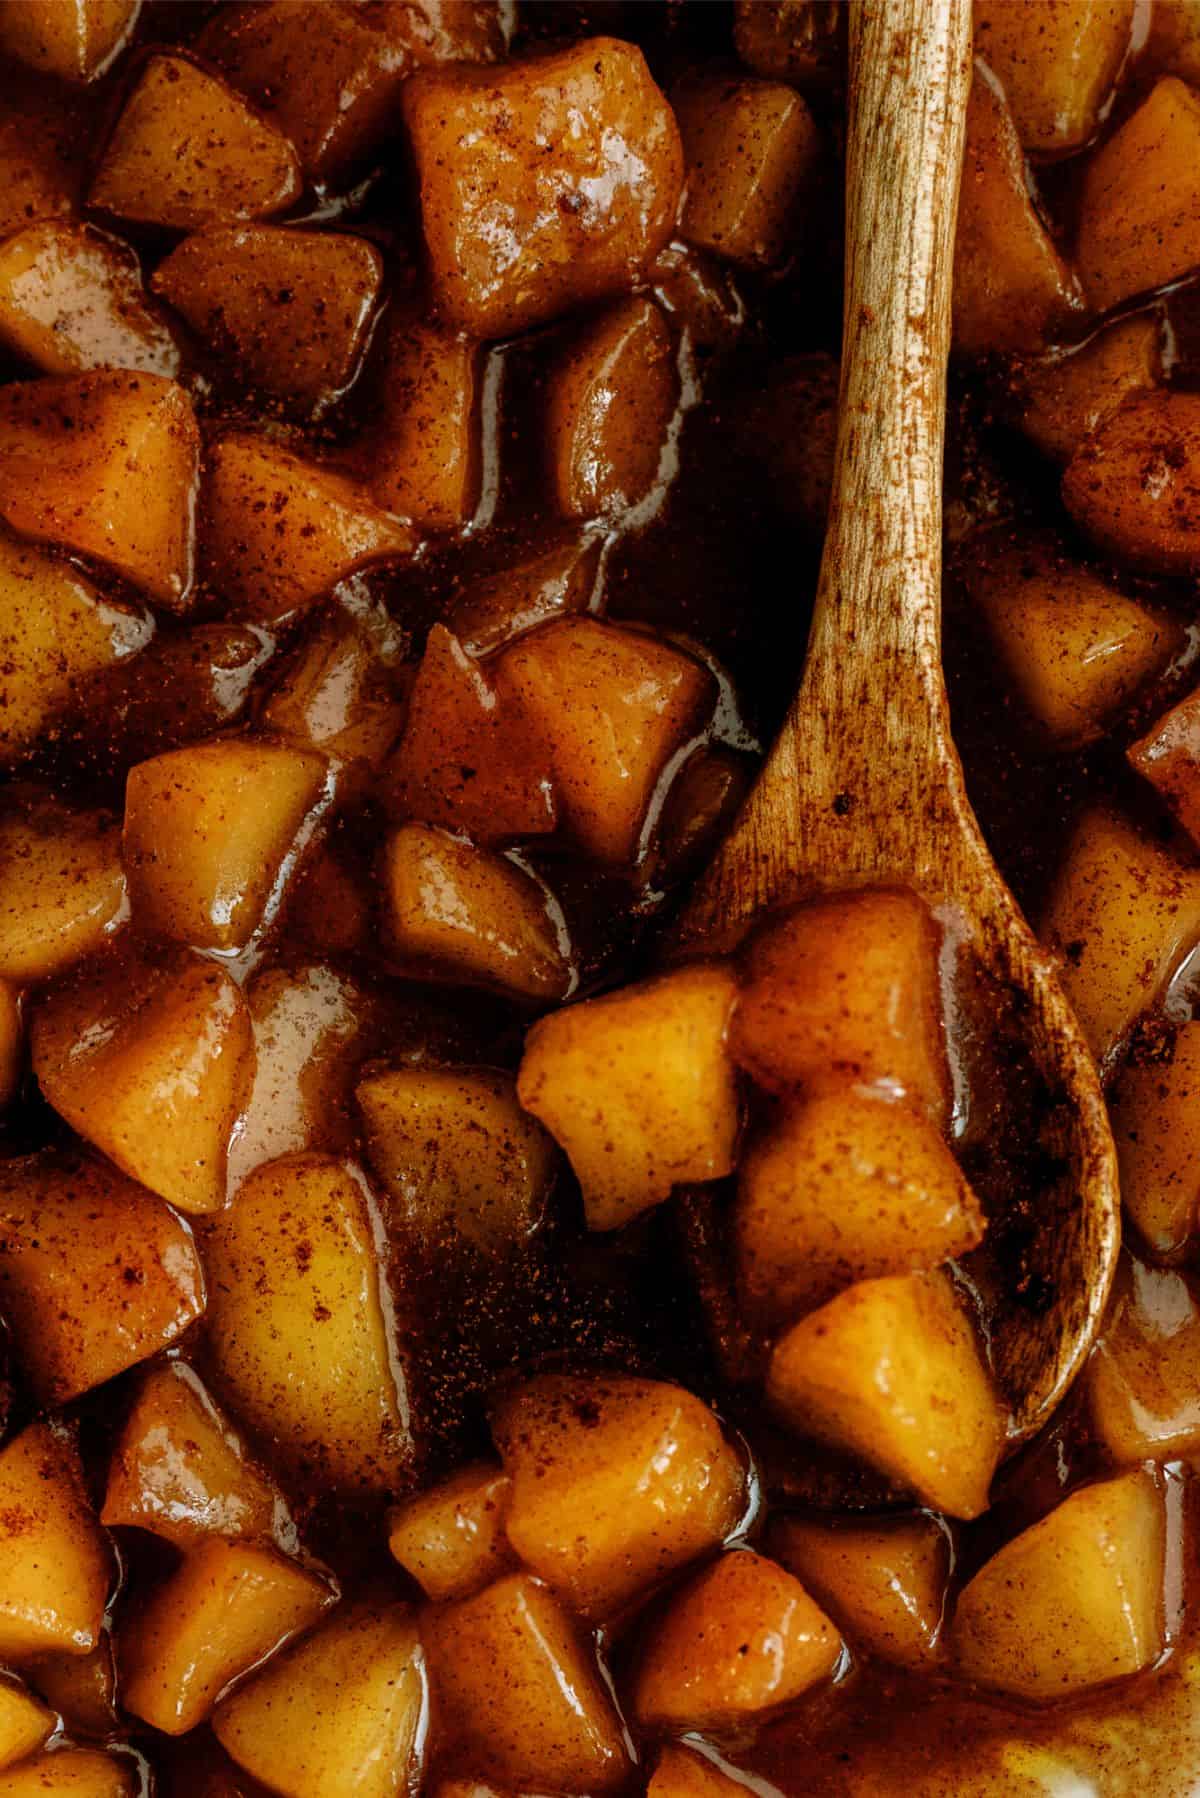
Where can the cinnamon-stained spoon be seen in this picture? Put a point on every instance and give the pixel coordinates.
(864, 784)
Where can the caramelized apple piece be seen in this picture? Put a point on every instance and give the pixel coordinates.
(457, 1156)
(425, 448)
(451, 1538)
(55, 1566)
(891, 1371)
(95, 1274)
(549, 1722)
(792, 40)
(1122, 914)
(43, 153)
(613, 395)
(581, 154)
(681, 1772)
(1058, 75)
(1155, 1111)
(468, 760)
(846, 1186)
(460, 913)
(181, 688)
(330, 904)
(56, 635)
(74, 39)
(298, 1324)
(281, 532)
(338, 694)
(260, 295)
(76, 1773)
(187, 152)
(209, 834)
(847, 985)
(1076, 648)
(751, 148)
(438, 31)
(24, 1723)
(62, 887)
(105, 466)
(740, 1639)
(82, 1688)
(639, 1089)
(1143, 1378)
(1061, 400)
(701, 804)
(612, 706)
(616, 1482)
(1169, 758)
(1174, 40)
(328, 81)
(71, 298)
(1139, 226)
(151, 1062)
(179, 1471)
(1134, 484)
(226, 1608)
(313, 1025)
(887, 1582)
(1073, 1601)
(1012, 289)
(559, 578)
(343, 1709)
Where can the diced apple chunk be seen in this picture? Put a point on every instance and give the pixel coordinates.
(558, 578)
(179, 1471)
(71, 299)
(739, 1640)
(1074, 1601)
(105, 466)
(1174, 41)
(549, 1723)
(886, 1582)
(1169, 758)
(1012, 289)
(95, 1274)
(1155, 1111)
(457, 1156)
(261, 295)
(1059, 75)
(1143, 1378)
(56, 635)
(639, 1089)
(187, 152)
(1139, 226)
(468, 760)
(62, 887)
(751, 149)
(24, 1723)
(579, 151)
(298, 1325)
(616, 1482)
(73, 39)
(281, 531)
(891, 1371)
(613, 394)
(343, 1709)
(846, 1186)
(74, 1773)
(1062, 399)
(803, 41)
(682, 1773)
(226, 1607)
(55, 1566)
(208, 833)
(326, 79)
(1076, 648)
(1134, 484)
(340, 693)
(82, 1688)
(425, 447)
(612, 706)
(451, 1538)
(461, 913)
(151, 1063)
(846, 985)
(1122, 914)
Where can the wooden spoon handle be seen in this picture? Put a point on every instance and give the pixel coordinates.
(863, 772)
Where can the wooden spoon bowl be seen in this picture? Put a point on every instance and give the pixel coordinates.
(864, 784)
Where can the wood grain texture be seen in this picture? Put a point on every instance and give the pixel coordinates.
(864, 784)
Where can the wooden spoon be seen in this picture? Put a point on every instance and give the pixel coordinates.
(864, 784)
